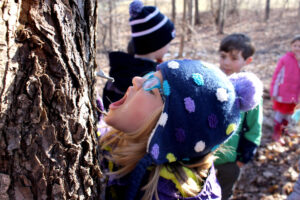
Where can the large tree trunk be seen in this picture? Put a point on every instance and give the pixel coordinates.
(47, 119)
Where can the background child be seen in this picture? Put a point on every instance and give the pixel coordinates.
(151, 33)
(175, 118)
(295, 195)
(285, 88)
(236, 51)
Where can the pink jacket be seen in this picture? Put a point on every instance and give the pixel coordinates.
(285, 85)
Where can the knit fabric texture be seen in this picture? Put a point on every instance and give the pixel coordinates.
(201, 111)
(150, 29)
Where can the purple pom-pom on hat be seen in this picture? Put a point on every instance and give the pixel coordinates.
(249, 89)
(135, 8)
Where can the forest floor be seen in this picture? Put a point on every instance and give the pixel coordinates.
(273, 171)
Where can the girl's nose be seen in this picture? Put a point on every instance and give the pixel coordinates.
(137, 82)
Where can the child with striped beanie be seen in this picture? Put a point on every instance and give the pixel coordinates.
(150, 29)
(167, 127)
(151, 34)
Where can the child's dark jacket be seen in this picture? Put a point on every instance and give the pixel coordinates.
(167, 190)
(123, 67)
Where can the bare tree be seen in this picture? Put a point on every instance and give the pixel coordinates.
(183, 27)
(197, 15)
(299, 10)
(267, 12)
(110, 8)
(233, 7)
(190, 12)
(47, 115)
(220, 17)
(173, 11)
(190, 18)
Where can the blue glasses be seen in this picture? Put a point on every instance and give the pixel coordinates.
(151, 83)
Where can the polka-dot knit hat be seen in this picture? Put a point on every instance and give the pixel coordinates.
(201, 110)
(150, 29)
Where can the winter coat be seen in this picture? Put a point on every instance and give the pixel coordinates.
(123, 67)
(285, 85)
(243, 144)
(166, 188)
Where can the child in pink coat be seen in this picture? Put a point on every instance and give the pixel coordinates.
(285, 88)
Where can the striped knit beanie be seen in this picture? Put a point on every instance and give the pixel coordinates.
(201, 111)
(150, 29)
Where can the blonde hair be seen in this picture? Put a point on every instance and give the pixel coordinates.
(128, 148)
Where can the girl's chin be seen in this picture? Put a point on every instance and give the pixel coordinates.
(108, 118)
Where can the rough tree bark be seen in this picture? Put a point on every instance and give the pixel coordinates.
(47, 115)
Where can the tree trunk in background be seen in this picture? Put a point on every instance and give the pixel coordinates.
(173, 11)
(220, 19)
(47, 117)
(183, 25)
(233, 8)
(190, 19)
(110, 24)
(190, 12)
(197, 15)
(299, 10)
(267, 12)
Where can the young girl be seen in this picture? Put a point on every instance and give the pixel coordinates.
(285, 88)
(167, 126)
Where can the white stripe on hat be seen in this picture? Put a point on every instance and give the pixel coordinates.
(150, 16)
(150, 30)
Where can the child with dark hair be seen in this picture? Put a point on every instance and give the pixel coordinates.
(151, 33)
(175, 119)
(285, 88)
(236, 51)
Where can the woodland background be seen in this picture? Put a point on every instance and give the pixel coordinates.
(270, 23)
(49, 53)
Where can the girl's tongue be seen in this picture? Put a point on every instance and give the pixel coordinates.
(117, 104)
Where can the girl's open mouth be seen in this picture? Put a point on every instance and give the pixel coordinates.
(117, 104)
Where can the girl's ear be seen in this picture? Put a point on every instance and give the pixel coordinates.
(249, 60)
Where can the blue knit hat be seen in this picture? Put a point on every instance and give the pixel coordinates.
(201, 111)
(150, 29)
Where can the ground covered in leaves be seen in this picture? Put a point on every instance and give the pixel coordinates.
(273, 171)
